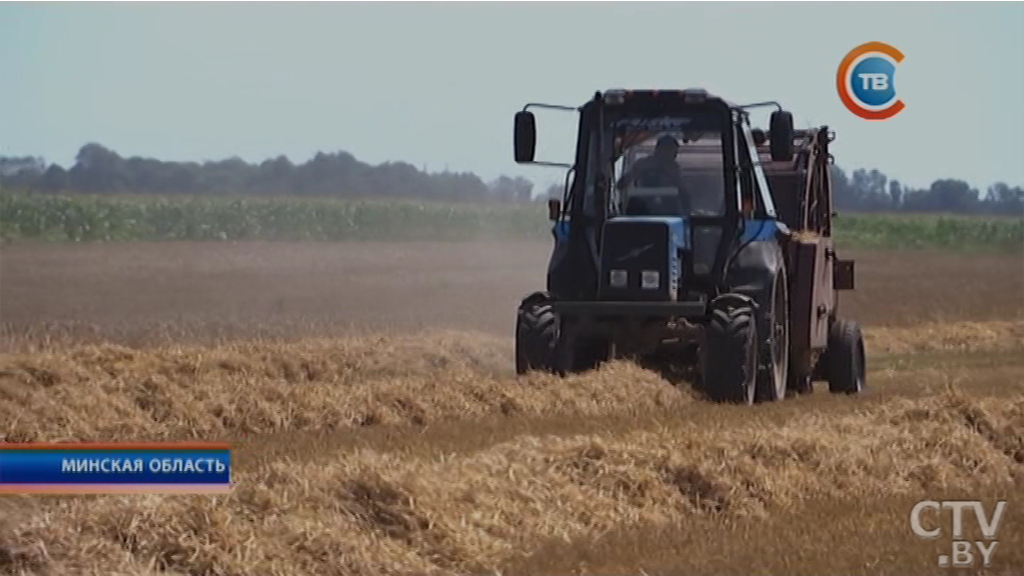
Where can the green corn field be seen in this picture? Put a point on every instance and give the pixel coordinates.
(84, 218)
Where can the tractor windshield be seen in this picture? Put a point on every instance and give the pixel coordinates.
(674, 168)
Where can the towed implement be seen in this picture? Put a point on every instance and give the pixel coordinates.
(685, 233)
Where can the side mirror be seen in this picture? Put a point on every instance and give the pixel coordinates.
(525, 137)
(554, 209)
(780, 139)
(759, 136)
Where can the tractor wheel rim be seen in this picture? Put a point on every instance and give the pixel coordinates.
(860, 368)
(751, 383)
(779, 359)
(780, 344)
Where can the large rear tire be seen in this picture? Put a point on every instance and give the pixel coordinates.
(845, 361)
(537, 333)
(729, 355)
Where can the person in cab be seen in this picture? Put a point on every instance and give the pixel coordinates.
(659, 170)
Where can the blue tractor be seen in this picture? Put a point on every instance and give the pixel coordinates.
(685, 233)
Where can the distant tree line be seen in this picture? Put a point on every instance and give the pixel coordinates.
(98, 169)
(872, 191)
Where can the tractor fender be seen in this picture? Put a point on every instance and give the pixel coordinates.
(753, 273)
(572, 269)
(732, 300)
(536, 297)
(563, 275)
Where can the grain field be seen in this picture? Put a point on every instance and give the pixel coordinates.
(381, 430)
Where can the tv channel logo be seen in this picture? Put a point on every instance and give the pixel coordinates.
(866, 81)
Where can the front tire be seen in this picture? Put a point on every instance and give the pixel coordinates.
(845, 359)
(729, 357)
(537, 334)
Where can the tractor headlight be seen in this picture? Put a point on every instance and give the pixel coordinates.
(649, 279)
(618, 278)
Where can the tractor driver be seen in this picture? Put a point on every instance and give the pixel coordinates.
(659, 170)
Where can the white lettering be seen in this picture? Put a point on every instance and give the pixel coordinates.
(915, 520)
(105, 465)
(962, 550)
(190, 465)
(663, 123)
(874, 81)
(962, 554)
(990, 527)
(958, 506)
(986, 553)
(126, 465)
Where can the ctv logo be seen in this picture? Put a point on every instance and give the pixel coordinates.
(865, 81)
(961, 554)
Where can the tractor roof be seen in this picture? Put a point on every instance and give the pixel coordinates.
(619, 95)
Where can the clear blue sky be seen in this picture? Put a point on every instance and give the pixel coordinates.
(437, 84)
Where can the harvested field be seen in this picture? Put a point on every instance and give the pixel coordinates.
(381, 431)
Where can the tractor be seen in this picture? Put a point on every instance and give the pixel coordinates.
(727, 266)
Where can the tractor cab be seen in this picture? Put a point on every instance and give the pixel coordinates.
(679, 164)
